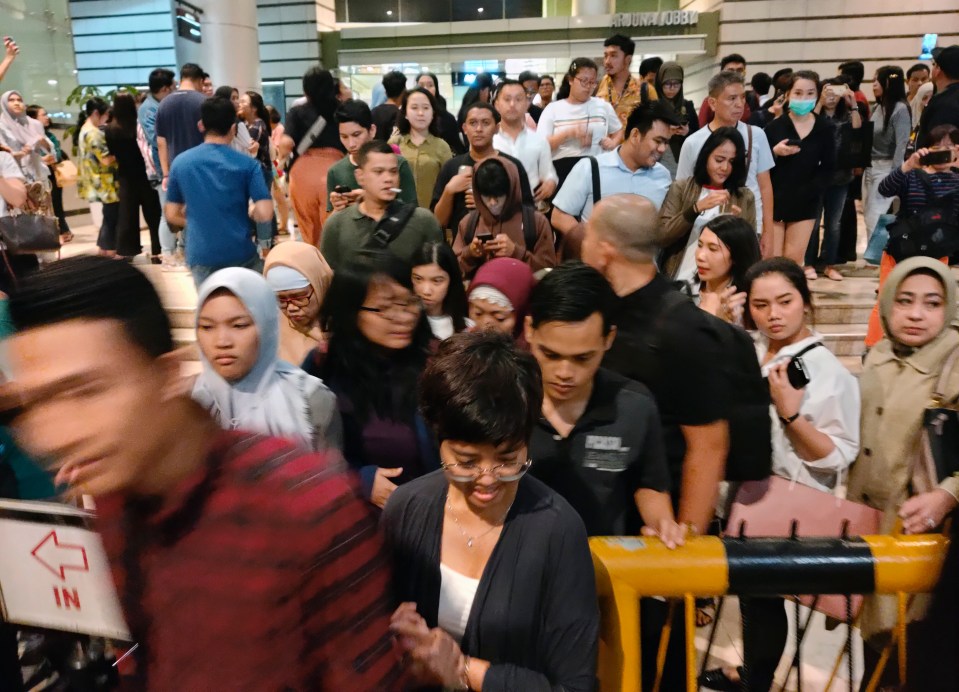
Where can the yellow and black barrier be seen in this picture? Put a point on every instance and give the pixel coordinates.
(629, 568)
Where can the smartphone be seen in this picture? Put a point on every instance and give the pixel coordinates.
(794, 142)
(484, 236)
(797, 374)
(838, 90)
(937, 157)
(342, 190)
(465, 170)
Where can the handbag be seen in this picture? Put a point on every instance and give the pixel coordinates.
(939, 438)
(65, 173)
(769, 507)
(29, 233)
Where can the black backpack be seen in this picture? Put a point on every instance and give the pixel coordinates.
(931, 232)
(529, 227)
(750, 430)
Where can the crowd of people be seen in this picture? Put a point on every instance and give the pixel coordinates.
(497, 334)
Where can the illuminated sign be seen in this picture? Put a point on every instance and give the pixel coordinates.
(668, 18)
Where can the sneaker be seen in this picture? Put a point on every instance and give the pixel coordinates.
(170, 263)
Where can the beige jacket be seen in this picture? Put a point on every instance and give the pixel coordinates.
(677, 216)
(896, 387)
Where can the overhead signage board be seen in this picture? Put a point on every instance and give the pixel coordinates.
(54, 572)
(667, 18)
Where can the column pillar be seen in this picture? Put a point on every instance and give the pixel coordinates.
(230, 50)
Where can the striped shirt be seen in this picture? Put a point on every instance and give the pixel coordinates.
(262, 572)
(912, 193)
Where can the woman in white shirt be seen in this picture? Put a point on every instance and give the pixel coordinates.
(439, 284)
(815, 428)
(578, 123)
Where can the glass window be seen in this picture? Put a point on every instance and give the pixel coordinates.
(471, 10)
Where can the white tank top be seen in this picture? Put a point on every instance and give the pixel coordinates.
(457, 592)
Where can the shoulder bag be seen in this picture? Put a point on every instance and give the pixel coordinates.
(66, 173)
(33, 228)
(939, 439)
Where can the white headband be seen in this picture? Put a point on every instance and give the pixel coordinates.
(492, 295)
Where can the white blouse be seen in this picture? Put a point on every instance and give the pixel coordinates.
(830, 402)
(457, 592)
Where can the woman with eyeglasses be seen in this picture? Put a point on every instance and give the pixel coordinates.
(492, 570)
(578, 123)
(244, 384)
(379, 341)
(669, 86)
(815, 434)
(300, 277)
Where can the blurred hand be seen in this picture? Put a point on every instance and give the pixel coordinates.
(383, 487)
(914, 162)
(607, 143)
(470, 202)
(544, 190)
(500, 246)
(735, 211)
(785, 398)
(669, 531)
(477, 248)
(924, 512)
(11, 47)
(715, 198)
(253, 148)
(783, 149)
(460, 182)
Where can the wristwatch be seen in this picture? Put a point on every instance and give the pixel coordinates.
(788, 421)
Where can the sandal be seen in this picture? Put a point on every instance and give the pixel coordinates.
(810, 273)
(832, 274)
(66, 237)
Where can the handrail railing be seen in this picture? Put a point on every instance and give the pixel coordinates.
(629, 568)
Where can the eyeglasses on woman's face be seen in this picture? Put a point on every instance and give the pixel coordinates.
(397, 310)
(586, 82)
(300, 299)
(467, 471)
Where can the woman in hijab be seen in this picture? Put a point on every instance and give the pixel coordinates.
(499, 297)
(299, 277)
(917, 308)
(243, 384)
(496, 227)
(25, 137)
(669, 86)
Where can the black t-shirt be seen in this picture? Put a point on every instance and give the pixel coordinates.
(177, 121)
(451, 168)
(299, 121)
(384, 117)
(535, 112)
(676, 357)
(124, 147)
(615, 448)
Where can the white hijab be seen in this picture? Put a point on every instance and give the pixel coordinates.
(19, 131)
(274, 397)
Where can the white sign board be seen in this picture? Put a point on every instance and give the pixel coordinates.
(54, 571)
(667, 18)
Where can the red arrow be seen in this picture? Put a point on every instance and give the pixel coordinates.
(51, 551)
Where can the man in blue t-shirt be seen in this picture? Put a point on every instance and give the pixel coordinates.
(209, 190)
(178, 118)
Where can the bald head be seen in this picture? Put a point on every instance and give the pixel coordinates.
(628, 222)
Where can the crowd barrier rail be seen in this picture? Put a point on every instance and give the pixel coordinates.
(629, 568)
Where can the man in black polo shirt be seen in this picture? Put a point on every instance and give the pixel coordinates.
(599, 442)
(943, 108)
(453, 193)
(674, 352)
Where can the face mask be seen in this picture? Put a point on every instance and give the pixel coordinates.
(802, 107)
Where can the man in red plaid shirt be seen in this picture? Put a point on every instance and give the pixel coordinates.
(242, 562)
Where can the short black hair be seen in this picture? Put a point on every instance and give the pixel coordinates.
(717, 138)
(192, 71)
(507, 83)
(160, 78)
(732, 57)
(217, 115)
(394, 83)
(855, 70)
(491, 178)
(739, 237)
(650, 65)
(482, 105)
(544, 77)
(354, 111)
(374, 146)
(918, 67)
(572, 292)
(781, 77)
(226, 92)
(480, 388)
(646, 113)
(624, 43)
(527, 76)
(96, 105)
(761, 82)
(33, 110)
(90, 287)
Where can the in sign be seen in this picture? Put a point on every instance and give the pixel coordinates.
(59, 557)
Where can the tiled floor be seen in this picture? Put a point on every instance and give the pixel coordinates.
(842, 312)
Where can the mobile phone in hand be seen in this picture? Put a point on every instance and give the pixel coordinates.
(342, 190)
(937, 157)
(794, 142)
(484, 236)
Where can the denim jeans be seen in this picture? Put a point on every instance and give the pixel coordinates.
(875, 205)
(168, 239)
(202, 272)
(833, 201)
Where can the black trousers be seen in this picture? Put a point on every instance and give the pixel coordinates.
(56, 198)
(653, 615)
(765, 629)
(137, 193)
(849, 224)
(107, 238)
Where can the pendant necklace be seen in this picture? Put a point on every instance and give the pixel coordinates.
(470, 539)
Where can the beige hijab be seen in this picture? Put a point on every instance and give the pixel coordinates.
(295, 343)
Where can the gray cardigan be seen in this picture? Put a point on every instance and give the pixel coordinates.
(890, 142)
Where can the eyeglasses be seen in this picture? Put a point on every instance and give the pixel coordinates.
(397, 311)
(586, 83)
(672, 83)
(470, 471)
(300, 301)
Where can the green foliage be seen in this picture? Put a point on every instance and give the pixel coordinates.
(81, 94)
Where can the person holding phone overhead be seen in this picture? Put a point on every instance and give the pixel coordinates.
(804, 145)
(921, 178)
(815, 435)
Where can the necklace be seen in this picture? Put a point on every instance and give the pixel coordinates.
(470, 539)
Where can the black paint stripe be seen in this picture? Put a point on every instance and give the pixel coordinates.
(773, 566)
(39, 518)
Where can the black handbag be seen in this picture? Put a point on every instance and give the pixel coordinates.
(933, 231)
(939, 443)
(29, 233)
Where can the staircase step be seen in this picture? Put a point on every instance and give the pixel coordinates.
(852, 363)
(843, 339)
(183, 337)
(184, 317)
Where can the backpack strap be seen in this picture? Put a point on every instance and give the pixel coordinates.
(749, 151)
(471, 224)
(391, 225)
(316, 129)
(529, 227)
(594, 169)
